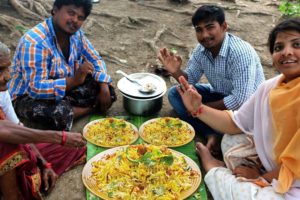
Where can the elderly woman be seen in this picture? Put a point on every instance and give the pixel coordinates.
(27, 170)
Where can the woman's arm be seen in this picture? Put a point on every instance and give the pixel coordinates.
(219, 120)
(216, 119)
(16, 134)
(49, 176)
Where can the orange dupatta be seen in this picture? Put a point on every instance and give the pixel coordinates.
(285, 109)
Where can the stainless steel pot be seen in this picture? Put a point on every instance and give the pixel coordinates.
(138, 103)
(143, 107)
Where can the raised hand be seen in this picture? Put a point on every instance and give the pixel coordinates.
(192, 100)
(170, 61)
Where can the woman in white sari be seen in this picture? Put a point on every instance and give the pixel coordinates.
(271, 116)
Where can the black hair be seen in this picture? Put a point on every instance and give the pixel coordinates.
(85, 4)
(208, 13)
(291, 24)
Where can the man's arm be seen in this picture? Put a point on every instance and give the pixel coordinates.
(103, 101)
(171, 63)
(90, 54)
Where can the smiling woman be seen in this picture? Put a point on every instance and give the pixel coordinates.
(285, 51)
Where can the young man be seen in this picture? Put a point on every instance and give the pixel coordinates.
(57, 74)
(230, 65)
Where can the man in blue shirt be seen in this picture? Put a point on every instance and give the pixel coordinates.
(231, 66)
(57, 73)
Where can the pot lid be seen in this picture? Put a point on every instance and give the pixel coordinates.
(132, 89)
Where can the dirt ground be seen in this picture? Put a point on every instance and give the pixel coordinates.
(128, 34)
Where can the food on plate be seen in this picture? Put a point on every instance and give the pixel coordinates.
(144, 172)
(110, 132)
(167, 131)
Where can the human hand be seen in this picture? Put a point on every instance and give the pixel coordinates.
(49, 178)
(192, 100)
(82, 71)
(170, 61)
(103, 100)
(249, 172)
(74, 140)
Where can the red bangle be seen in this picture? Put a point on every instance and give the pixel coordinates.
(48, 165)
(198, 112)
(63, 138)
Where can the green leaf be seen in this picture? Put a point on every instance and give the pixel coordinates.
(197, 196)
(168, 160)
(113, 125)
(122, 125)
(146, 159)
(173, 50)
(290, 8)
(21, 28)
(110, 194)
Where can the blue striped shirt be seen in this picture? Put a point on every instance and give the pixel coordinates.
(235, 72)
(40, 69)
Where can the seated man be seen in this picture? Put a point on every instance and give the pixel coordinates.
(57, 74)
(24, 168)
(230, 64)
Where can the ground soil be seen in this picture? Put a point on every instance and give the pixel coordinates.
(128, 33)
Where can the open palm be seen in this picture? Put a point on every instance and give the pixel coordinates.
(192, 100)
(170, 61)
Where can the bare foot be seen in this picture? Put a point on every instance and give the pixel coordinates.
(207, 160)
(214, 144)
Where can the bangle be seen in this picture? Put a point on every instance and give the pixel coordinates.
(63, 138)
(48, 165)
(198, 112)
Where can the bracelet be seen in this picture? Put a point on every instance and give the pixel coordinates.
(48, 165)
(198, 112)
(63, 138)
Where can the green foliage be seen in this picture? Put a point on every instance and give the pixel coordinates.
(22, 29)
(290, 8)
